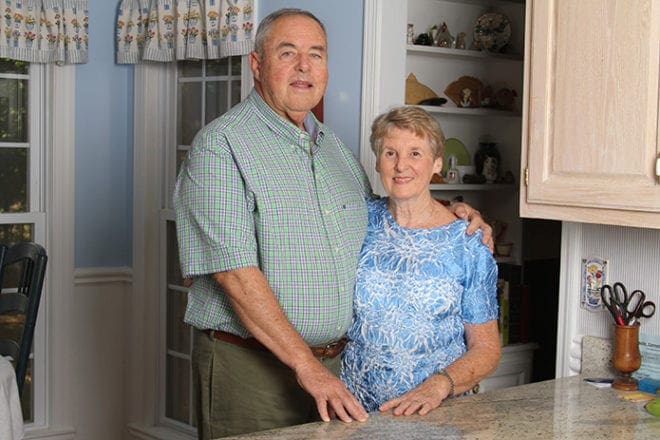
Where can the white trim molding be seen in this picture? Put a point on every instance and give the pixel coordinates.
(60, 316)
(153, 101)
(383, 66)
(569, 303)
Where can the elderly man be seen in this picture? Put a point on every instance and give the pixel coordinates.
(271, 215)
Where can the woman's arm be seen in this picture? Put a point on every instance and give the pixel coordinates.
(480, 359)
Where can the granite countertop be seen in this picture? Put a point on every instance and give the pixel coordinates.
(566, 408)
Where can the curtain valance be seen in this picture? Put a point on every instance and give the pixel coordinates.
(44, 31)
(169, 30)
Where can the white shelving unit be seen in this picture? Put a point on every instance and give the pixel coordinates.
(437, 67)
(387, 62)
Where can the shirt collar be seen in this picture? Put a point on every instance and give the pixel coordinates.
(314, 130)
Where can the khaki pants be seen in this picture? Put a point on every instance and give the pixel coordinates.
(240, 390)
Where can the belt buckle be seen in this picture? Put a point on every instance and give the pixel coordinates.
(329, 347)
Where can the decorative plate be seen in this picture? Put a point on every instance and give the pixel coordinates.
(454, 147)
(492, 31)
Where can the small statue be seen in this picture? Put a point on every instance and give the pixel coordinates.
(487, 160)
(444, 38)
(466, 98)
(433, 32)
(460, 40)
(423, 39)
(410, 35)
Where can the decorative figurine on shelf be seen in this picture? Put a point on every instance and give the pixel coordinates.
(433, 32)
(487, 160)
(466, 98)
(410, 34)
(452, 171)
(504, 98)
(444, 38)
(460, 40)
(424, 39)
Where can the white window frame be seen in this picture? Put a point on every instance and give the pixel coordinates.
(36, 213)
(154, 160)
(51, 103)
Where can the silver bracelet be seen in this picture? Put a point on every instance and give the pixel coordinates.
(443, 372)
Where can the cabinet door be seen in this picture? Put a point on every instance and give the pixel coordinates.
(590, 128)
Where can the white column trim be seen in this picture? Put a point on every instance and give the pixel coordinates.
(383, 71)
(153, 102)
(371, 70)
(569, 301)
(60, 306)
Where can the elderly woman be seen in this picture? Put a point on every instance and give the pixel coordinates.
(425, 324)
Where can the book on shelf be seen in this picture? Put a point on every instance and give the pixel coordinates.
(503, 301)
(514, 301)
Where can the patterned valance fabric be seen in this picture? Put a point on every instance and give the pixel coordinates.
(44, 31)
(169, 30)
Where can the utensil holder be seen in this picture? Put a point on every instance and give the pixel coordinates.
(627, 358)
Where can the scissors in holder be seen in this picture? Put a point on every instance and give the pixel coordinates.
(641, 309)
(612, 297)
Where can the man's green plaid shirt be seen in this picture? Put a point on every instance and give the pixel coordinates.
(255, 190)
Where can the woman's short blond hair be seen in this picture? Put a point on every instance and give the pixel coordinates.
(413, 119)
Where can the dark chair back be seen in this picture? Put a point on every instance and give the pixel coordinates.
(22, 272)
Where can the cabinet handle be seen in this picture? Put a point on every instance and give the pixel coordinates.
(657, 167)
(527, 175)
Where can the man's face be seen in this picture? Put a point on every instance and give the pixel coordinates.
(292, 73)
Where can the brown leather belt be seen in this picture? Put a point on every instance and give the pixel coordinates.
(327, 351)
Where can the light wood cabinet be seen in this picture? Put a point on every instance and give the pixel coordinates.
(590, 142)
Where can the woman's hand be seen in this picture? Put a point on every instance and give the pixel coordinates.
(426, 396)
(467, 212)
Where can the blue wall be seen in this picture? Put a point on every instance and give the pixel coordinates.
(104, 152)
(343, 22)
(104, 122)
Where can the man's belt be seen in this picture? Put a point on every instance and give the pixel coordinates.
(327, 351)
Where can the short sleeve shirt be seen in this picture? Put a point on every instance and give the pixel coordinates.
(255, 190)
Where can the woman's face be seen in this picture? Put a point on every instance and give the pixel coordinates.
(406, 165)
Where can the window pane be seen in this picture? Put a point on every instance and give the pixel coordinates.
(13, 110)
(236, 66)
(177, 403)
(178, 332)
(190, 68)
(10, 234)
(11, 325)
(173, 268)
(14, 180)
(216, 99)
(180, 157)
(13, 66)
(217, 67)
(189, 112)
(235, 93)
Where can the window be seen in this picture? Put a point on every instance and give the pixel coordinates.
(204, 91)
(22, 213)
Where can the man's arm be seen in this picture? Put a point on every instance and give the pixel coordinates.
(256, 306)
(467, 212)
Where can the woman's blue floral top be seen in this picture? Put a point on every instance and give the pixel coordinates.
(415, 290)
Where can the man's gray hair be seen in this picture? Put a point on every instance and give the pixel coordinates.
(267, 23)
